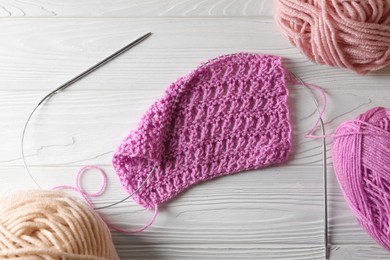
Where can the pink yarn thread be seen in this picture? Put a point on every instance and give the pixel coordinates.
(86, 195)
(361, 152)
(344, 33)
(292, 79)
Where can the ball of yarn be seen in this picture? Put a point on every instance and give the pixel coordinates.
(352, 34)
(41, 224)
(361, 153)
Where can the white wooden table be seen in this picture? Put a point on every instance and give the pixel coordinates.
(274, 213)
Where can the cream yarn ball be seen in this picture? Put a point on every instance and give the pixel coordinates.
(41, 224)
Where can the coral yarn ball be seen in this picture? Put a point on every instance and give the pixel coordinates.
(39, 224)
(352, 34)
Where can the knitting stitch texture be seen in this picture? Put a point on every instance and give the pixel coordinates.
(228, 115)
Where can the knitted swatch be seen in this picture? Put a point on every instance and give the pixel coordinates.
(228, 115)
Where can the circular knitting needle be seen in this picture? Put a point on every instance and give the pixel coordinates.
(69, 83)
(324, 170)
(324, 180)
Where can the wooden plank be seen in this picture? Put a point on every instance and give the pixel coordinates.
(82, 126)
(275, 206)
(134, 8)
(145, 251)
(106, 105)
(43, 53)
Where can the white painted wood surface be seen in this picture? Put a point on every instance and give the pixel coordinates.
(274, 213)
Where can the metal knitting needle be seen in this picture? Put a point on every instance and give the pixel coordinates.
(96, 66)
(72, 81)
(324, 171)
(324, 182)
(325, 187)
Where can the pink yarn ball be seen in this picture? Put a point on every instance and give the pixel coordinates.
(361, 153)
(349, 34)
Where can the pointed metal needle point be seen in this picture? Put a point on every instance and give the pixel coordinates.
(96, 66)
(72, 81)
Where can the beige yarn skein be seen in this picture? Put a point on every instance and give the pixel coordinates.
(41, 224)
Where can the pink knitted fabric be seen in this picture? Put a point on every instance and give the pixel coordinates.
(228, 115)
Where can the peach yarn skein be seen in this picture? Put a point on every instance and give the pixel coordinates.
(39, 224)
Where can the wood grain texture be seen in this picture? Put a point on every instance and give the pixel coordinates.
(42, 53)
(249, 251)
(80, 126)
(270, 206)
(275, 213)
(125, 8)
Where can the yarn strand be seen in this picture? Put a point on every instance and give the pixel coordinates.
(87, 196)
(296, 80)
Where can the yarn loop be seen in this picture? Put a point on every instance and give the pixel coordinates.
(344, 33)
